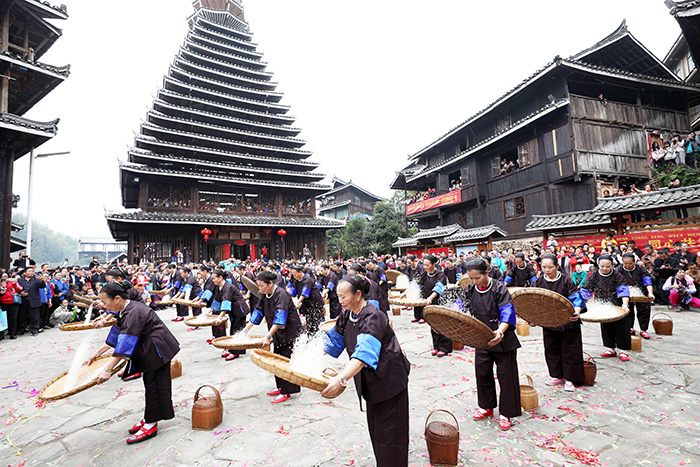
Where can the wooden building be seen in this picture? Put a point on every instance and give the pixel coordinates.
(347, 201)
(681, 58)
(555, 143)
(26, 34)
(449, 239)
(218, 151)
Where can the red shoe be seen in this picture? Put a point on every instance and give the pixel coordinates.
(608, 353)
(136, 428)
(414, 320)
(405, 307)
(143, 435)
(232, 356)
(121, 374)
(433, 352)
(481, 415)
(421, 321)
(633, 332)
(225, 354)
(132, 377)
(624, 357)
(178, 319)
(281, 398)
(276, 392)
(441, 354)
(209, 341)
(644, 334)
(504, 424)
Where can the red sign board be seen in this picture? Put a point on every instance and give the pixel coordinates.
(443, 200)
(656, 238)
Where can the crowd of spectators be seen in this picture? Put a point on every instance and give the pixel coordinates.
(167, 203)
(455, 185)
(678, 151)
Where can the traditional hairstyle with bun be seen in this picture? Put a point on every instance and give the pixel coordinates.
(356, 283)
(117, 289)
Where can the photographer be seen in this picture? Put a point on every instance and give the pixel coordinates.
(664, 267)
(681, 289)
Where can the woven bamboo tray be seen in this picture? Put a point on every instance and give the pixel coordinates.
(251, 286)
(54, 390)
(608, 314)
(460, 327)
(398, 289)
(256, 342)
(182, 301)
(464, 281)
(328, 325)
(279, 366)
(83, 326)
(406, 302)
(160, 292)
(542, 307)
(640, 299)
(82, 299)
(392, 275)
(201, 321)
(81, 305)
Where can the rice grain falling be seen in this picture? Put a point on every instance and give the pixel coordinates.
(413, 292)
(309, 357)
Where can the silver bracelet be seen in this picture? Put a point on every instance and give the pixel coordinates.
(343, 381)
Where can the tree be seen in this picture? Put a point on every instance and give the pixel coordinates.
(48, 246)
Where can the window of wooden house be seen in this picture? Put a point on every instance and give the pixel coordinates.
(164, 196)
(503, 124)
(528, 154)
(507, 163)
(496, 166)
(466, 175)
(465, 219)
(514, 208)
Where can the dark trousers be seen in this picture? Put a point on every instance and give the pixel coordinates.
(441, 343)
(285, 387)
(44, 315)
(34, 317)
(183, 311)
(388, 430)
(563, 350)
(159, 403)
(22, 316)
(507, 371)
(643, 314)
(418, 312)
(334, 307)
(617, 334)
(12, 310)
(661, 294)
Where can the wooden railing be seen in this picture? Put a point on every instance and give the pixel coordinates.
(662, 224)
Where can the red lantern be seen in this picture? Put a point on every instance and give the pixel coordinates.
(281, 232)
(206, 237)
(206, 232)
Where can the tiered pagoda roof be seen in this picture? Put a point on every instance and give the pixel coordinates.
(218, 117)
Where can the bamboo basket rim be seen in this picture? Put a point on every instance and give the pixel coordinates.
(590, 358)
(256, 342)
(83, 326)
(182, 301)
(531, 384)
(662, 313)
(398, 289)
(82, 299)
(640, 299)
(406, 302)
(216, 392)
(160, 292)
(393, 274)
(542, 307)
(591, 318)
(326, 326)
(251, 286)
(441, 410)
(279, 366)
(193, 322)
(82, 388)
(460, 327)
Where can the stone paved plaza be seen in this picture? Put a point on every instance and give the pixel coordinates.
(645, 412)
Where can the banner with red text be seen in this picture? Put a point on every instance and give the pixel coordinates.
(443, 200)
(656, 238)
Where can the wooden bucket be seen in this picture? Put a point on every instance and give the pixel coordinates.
(443, 440)
(662, 326)
(457, 346)
(175, 368)
(396, 310)
(636, 344)
(522, 328)
(207, 414)
(528, 395)
(590, 370)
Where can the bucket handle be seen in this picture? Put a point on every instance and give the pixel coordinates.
(218, 396)
(329, 373)
(440, 410)
(589, 358)
(530, 382)
(661, 313)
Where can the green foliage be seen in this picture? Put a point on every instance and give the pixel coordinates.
(48, 246)
(360, 236)
(688, 175)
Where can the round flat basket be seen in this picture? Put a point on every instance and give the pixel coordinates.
(602, 313)
(406, 302)
(542, 307)
(182, 301)
(640, 299)
(398, 289)
(228, 343)
(82, 299)
(393, 274)
(460, 327)
(83, 326)
(81, 305)
(56, 390)
(328, 325)
(464, 281)
(160, 292)
(201, 321)
(279, 366)
(251, 286)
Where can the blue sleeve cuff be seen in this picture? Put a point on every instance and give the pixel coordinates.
(623, 291)
(293, 292)
(290, 285)
(177, 285)
(507, 314)
(382, 277)
(459, 275)
(367, 350)
(112, 336)
(585, 294)
(576, 300)
(306, 292)
(374, 302)
(319, 286)
(216, 306)
(256, 317)
(226, 305)
(334, 343)
(187, 287)
(439, 288)
(206, 295)
(533, 279)
(508, 280)
(646, 280)
(331, 286)
(280, 318)
(229, 280)
(241, 288)
(126, 345)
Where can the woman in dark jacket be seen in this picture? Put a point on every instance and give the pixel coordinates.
(140, 336)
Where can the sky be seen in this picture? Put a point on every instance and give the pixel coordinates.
(370, 83)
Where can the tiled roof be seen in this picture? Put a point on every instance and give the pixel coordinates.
(330, 207)
(663, 198)
(352, 185)
(567, 220)
(627, 74)
(221, 219)
(46, 127)
(436, 232)
(61, 72)
(404, 242)
(478, 233)
(679, 6)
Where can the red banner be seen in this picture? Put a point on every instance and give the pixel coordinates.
(443, 200)
(656, 238)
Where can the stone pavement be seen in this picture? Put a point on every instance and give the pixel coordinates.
(644, 412)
